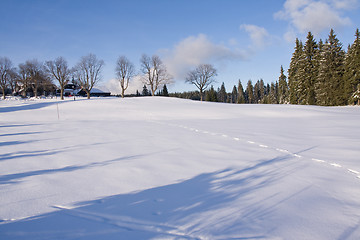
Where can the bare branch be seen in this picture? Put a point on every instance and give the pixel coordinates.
(155, 72)
(59, 70)
(125, 71)
(5, 71)
(88, 72)
(202, 77)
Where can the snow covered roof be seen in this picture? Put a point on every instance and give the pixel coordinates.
(97, 90)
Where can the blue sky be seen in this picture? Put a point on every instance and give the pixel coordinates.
(243, 39)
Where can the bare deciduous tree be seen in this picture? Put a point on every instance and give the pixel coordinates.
(59, 70)
(35, 75)
(14, 80)
(5, 70)
(23, 78)
(88, 72)
(124, 72)
(155, 72)
(202, 77)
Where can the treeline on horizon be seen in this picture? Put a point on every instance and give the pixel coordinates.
(320, 73)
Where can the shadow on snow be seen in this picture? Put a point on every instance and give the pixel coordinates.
(14, 178)
(212, 205)
(30, 106)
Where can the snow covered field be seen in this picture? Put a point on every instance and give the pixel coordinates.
(164, 168)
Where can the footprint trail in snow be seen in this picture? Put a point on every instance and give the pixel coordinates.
(260, 145)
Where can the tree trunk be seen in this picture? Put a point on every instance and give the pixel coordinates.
(122, 92)
(62, 93)
(35, 92)
(88, 94)
(201, 95)
(3, 92)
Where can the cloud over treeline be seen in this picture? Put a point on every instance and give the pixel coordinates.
(195, 50)
(315, 15)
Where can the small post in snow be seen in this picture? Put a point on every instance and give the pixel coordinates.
(57, 106)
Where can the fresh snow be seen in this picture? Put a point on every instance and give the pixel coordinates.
(165, 168)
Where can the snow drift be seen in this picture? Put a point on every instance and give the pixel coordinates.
(164, 168)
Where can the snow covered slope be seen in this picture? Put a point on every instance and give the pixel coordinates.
(163, 168)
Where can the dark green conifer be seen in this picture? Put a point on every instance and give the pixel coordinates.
(262, 90)
(241, 95)
(249, 93)
(355, 97)
(283, 87)
(222, 96)
(311, 69)
(295, 73)
(330, 86)
(211, 95)
(165, 92)
(272, 95)
(145, 91)
(352, 68)
(234, 94)
(257, 92)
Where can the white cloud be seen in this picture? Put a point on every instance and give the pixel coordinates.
(290, 36)
(196, 50)
(258, 35)
(345, 4)
(315, 15)
(114, 87)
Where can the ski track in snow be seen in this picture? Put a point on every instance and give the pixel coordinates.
(128, 223)
(325, 162)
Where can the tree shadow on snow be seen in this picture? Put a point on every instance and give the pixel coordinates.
(217, 205)
(14, 178)
(29, 106)
(20, 125)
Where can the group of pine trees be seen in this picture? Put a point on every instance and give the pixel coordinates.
(259, 92)
(319, 74)
(323, 73)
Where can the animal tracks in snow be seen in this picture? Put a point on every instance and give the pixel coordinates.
(332, 164)
(353, 171)
(335, 165)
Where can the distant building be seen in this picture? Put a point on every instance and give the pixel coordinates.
(70, 89)
(95, 92)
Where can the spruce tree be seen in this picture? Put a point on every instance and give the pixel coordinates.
(355, 97)
(257, 92)
(310, 69)
(249, 93)
(330, 86)
(145, 91)
(272, 94)
(211, 95)
(352, 68)
(234, 94)
(283, 87)
(165, 92)
(222, 96)
(262, 90)
(241, 95)
(267, 94)
(295, 72)
(301, 89)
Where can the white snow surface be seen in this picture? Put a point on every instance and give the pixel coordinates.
(165, 168)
